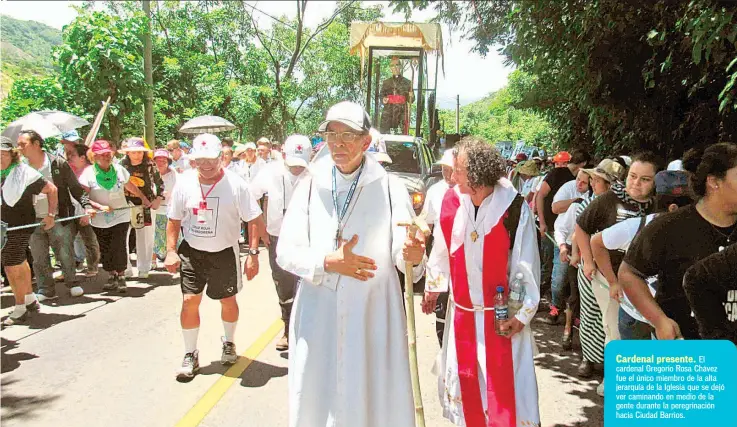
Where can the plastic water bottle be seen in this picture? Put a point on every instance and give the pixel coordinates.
(516, 294)
(501, 311)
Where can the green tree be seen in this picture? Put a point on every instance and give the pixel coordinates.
(33, 94)
(615, 76)
(102, 55)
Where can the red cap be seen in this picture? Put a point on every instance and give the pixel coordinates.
(101, 147)
(562, 157)
(521, 156)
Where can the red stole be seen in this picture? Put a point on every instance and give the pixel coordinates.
(499, 361)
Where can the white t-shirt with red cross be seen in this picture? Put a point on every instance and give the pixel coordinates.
(212, 223)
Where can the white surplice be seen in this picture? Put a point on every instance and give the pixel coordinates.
(348, 356)
(524, 258)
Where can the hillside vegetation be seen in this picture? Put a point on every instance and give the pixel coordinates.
(26, 50)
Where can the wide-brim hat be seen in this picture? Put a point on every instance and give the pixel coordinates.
(529, 168)
(608, 170)
(133, 145)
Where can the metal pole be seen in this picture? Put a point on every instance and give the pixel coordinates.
(458, 114)
(377, 82)
(149, 135)
(368, 76)
(420, 94)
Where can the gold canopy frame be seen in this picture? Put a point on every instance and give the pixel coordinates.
(365, 35)
(406, 40)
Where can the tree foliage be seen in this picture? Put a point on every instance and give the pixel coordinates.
(270, 77)
(101, 56)
(613, 75)
(496, 118)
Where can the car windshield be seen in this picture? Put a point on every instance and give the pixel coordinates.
(405, 158)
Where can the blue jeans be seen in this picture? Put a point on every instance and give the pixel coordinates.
(547, 249)
(631, 328)
(558, 279)
(59, 237)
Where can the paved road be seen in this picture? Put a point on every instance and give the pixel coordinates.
(107, 360)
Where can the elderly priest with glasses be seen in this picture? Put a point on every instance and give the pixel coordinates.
(348, 358)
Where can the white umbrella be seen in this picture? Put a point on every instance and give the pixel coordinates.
(46, 123)
(206, 124)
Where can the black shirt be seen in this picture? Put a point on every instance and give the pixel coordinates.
(22, 213)
(666, 248)
(148, 180)
(603, 212)
(711, 288)
(555, 179)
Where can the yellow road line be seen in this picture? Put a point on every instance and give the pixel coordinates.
(198, 412)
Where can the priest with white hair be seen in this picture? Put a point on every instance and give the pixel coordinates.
(348, 352)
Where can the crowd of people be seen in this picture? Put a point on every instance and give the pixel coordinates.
(621, 247)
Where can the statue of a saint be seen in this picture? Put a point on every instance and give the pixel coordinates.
(397, 96)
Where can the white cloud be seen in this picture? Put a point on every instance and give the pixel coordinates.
(466, 74)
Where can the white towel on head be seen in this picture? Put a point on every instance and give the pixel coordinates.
(17, 181)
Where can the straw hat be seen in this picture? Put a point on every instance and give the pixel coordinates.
(529, 168)
(608, 170)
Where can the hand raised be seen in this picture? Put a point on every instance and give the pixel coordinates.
(344, 262)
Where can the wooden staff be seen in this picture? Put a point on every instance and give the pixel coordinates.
(96, 124)
(412, 228)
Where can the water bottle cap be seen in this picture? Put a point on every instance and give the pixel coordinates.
(519, 276)
(500, 288)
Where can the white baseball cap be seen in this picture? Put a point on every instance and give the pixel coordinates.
(348, 113)
(447, 159)
(206, 146)
(297, 151)
(675, 165)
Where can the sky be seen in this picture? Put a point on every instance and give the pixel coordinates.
(467, 74)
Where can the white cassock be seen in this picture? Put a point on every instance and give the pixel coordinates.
(348, 357)
(489, 364)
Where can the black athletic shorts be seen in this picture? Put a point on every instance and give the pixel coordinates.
(220, 271)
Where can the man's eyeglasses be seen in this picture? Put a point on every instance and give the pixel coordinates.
(345, 137)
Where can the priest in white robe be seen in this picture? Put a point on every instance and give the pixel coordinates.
(485, 236)
(348, 355)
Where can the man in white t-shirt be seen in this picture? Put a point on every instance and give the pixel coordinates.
(279, 181)
(208, 204)
(180, 161)
(570, 192)
(431, 213)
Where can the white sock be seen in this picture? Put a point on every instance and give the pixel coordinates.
(18, 311)
(190, 339)
(229, 330)
(30, 298)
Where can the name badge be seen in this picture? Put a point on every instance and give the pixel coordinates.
(203, 215)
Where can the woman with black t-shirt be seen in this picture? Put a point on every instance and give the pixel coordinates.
(673, 242)
(20, 186)
(711, 288)
(143, 174)
(622, 201)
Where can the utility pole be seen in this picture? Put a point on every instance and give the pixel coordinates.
(148, 109)
(458, 114)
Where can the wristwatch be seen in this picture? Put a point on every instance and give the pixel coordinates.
(253, 252)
